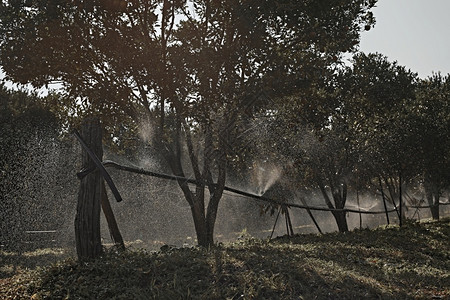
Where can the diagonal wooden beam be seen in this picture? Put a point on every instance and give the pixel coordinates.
(99, 166)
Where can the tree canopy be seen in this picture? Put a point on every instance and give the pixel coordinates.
(130, 56)
(186, 67)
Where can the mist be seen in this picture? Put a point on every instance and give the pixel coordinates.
(42, 196)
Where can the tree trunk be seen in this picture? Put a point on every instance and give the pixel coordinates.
(87, 220)
(204, 224)
(216, 193)
(210, 224)
(432, 195)
(339, 203)
(433, 202)
(341, 220)
(340, 198)
(400, 199)
(204, 217)
(435, 207)
(198, 214)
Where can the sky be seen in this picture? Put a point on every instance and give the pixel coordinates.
(415, 33)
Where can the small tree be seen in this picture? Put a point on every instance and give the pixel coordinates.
(324, 157)
(377, 95)
(432, 114)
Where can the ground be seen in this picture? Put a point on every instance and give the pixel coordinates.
(412, 262)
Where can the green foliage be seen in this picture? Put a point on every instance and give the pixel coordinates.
(373, 119)
(122, 61)
(400, 122)
(376, 96)
(431, 117)
(22, 116)
(198, 64)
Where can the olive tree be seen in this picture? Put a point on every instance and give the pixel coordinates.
(432, 115)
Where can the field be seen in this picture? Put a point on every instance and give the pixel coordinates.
(412, 262)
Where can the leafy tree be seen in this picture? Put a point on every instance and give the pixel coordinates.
(353, 126)
(378, 96)
(432, 116)
(319, 145)
(195, 63)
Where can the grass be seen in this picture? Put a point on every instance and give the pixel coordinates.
(386, 263)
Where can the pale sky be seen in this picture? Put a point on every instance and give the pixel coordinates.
(415, 33)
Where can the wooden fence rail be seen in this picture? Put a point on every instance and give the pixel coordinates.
(137, 170)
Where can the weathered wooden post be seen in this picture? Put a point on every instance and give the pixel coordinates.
(111, 220)
(87, 220)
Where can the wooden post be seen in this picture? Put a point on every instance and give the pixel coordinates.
(359, 208)
(311, 215)
(111, 220)
(400, 198)
(87, 220)
(289, 228)
(384, 199)
(275, 224)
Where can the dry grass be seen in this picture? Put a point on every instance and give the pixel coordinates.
(387, 263)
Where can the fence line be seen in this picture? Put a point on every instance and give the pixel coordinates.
(429, 206)
(109, 163)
